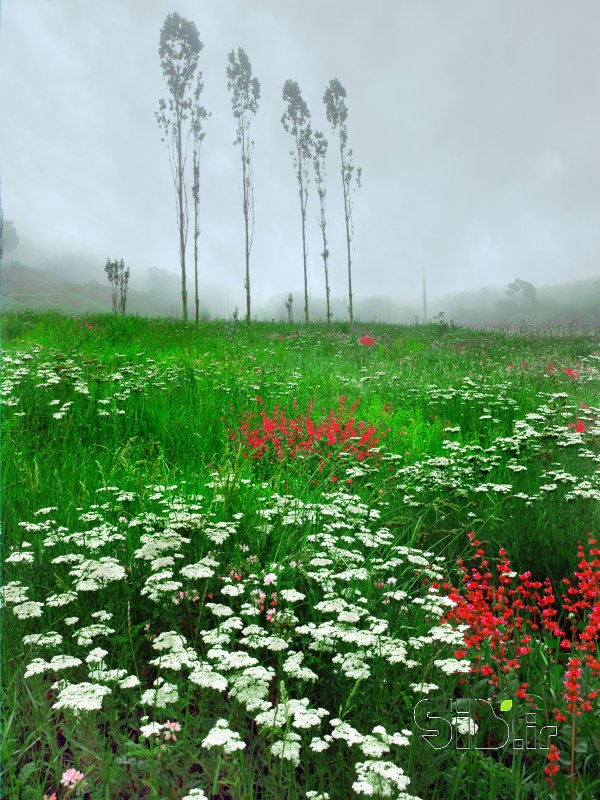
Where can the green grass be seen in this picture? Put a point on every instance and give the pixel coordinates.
(159, 403)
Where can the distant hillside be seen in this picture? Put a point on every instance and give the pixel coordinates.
(577, 302)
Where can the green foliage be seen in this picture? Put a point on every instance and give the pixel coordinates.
(144, 405)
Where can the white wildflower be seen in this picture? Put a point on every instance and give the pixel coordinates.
(222, 736)
(81, 696)
(29, 609)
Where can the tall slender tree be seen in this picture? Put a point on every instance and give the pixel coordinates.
(179, 50)
(199, 116)
(319, 155)
(337, 115)
(245, 94)
(296, 121)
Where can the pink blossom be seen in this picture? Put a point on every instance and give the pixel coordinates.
(270, 577)
(71, 778)
(170, 728)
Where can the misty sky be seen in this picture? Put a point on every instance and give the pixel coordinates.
(476, 124)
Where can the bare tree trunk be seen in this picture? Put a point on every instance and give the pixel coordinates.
(347, 216)
(303, 209)
(181, 220)
(325, 253)
(246, 182)
(196, 192)
(325, 264)
(196, 272)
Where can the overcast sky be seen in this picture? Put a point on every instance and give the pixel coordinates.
(476, 124)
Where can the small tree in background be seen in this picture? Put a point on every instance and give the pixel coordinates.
(179, 50)
(319, 155)
(290, 307)
(118, 276)
(523, 294)
(337, 114)
(245, 94)
(296, 120)
(199, 116)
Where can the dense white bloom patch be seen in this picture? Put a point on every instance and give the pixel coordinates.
(78, 697)
(161, 695)
(222, 736)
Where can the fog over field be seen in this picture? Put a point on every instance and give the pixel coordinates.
(476, 126)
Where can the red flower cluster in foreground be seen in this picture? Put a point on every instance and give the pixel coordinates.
(277, 436)
(510, 615)
(367, 341)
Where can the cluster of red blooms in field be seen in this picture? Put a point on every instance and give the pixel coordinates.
(277, 436)
(367, 341)
(512, 616)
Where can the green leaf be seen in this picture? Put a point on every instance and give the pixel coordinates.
(506, 705)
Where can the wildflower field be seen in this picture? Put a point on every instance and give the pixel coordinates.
(268, 562)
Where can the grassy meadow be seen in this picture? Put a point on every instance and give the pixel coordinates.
(243, 563)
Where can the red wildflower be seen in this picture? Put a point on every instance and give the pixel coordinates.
(367, 341)
(278, 436)
(552, 767)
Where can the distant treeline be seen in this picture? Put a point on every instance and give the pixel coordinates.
(577, 302)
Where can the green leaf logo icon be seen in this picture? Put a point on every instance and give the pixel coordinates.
(506, 705)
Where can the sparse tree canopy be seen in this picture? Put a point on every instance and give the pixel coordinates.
(337, 114)
(245, 94)
(523, 294)
(118, 276)
(335, 107)
(296, 121)
(179, 50)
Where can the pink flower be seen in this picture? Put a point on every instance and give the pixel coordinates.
(269, 578)
(71, 778)
(50, 796)
(170, 728)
